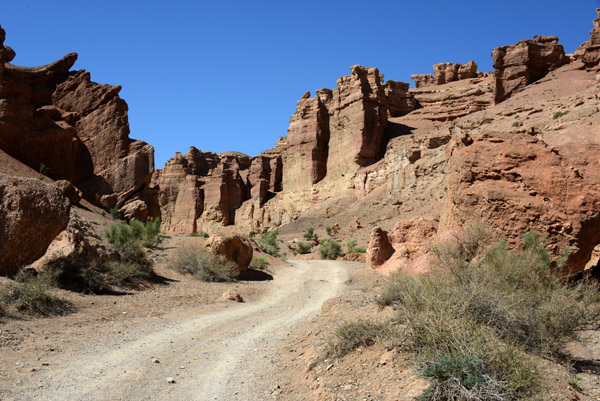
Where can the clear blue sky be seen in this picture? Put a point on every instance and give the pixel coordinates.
(225, 75)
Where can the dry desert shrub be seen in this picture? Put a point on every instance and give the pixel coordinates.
(259, 263)
(470, 323)
(29, 294)
(196, 260)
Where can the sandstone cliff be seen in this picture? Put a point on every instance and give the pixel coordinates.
(64, 125)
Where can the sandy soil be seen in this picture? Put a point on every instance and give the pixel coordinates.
(212, 352)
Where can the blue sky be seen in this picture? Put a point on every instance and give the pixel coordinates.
(225, 75)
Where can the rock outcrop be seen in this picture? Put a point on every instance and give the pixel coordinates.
(202, 191)
(589, 51)
(404, 248)
(380, 248)
(518, 65)
(516, 183)
(444, 73)
(331, 135)
(67, 127)
(452, 100)
(77, 242)
(32, 214)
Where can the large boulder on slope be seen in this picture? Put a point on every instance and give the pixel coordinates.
(32, 214)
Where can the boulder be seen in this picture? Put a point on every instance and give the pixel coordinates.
(234, 248)
(520, 64)
(380, 248)
(231, 295)
(32, 214)
(78, 241)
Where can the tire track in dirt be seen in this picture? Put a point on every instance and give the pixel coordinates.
(214, 356)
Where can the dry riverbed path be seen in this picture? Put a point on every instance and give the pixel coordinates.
(219, 355)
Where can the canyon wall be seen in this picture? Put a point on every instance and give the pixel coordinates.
(62, 124)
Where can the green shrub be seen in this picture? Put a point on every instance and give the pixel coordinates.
(268, 243)
(252, 234)
(489, 305)
(304, 248)
(74, 272)
(559, 114)
(259, 262)
(328, 231)
(330, 250)
(147, 234)
(116, 213)
(30, 295)
(200, 234)
(517, 124)
(487, 121)
(353, 248)
(196, 260)
(310, 235)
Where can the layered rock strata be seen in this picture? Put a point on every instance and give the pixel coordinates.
(520, 64)
(444, 73)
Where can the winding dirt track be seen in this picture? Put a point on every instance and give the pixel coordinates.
(222, 355)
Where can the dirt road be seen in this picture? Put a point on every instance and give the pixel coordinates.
(220, 355)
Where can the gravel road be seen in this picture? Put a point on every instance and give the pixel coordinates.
(225, 355)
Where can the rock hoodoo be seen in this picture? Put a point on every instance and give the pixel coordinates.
(518, 65)
(589, 51)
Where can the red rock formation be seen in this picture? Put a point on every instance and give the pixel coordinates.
(380, 248)
(589, 51)
(201, 191)
(452, 100)
(444, 73)
(32, 213)
(409, 240)
(400, 100)
(64, 125)
(308, 142)
(518, 65)
(515, 183)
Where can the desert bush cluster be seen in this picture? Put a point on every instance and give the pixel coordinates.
(330, 249)
(31, 291)
(268, 243)
(30, 294)
(473, 322)
(196, 260)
